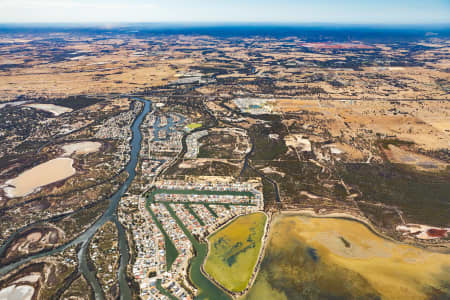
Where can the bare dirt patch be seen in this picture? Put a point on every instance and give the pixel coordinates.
(298, 142)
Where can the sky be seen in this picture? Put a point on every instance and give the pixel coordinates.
(222, 11)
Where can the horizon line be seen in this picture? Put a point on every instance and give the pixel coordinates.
(234, 23)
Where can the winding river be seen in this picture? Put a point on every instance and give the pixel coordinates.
(110, 214)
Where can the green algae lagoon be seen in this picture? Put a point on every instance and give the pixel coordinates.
(234, 251)
(336, 258)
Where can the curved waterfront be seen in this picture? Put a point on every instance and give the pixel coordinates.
(109, 214)
(343, 258)
(207, 288)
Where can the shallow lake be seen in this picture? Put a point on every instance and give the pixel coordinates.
(329, 258)
(43, 174)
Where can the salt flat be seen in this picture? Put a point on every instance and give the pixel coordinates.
(56, 110)
(81, 148)
(49, 172)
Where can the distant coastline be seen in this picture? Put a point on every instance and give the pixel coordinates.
(308, 31)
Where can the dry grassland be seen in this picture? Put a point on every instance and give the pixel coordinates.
(425, 123)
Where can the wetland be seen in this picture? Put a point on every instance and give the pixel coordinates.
(335, 258)
(234, 251)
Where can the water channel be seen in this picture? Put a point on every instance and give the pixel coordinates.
(109, 215)
(208, 290)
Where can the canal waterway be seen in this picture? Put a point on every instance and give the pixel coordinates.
(109, 214)
(167, 127)
(208, 290)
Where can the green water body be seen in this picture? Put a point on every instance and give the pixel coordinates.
(207, 289)
(202, 192)
(315, 258)
(171, 251)
(212, 212)
(203, 203)
(192, 212)
(164, 291)
(151, 197)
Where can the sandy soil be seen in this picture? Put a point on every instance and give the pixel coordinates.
(56, 110)
(192, 163)
(29, 278)
(81, 148)
(34, 237)
(351, 152)
(271, 170)
(49, 172)
(297, 141)
(334, 149)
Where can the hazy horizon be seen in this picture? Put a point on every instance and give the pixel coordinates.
(400, 12)
(229, 24)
